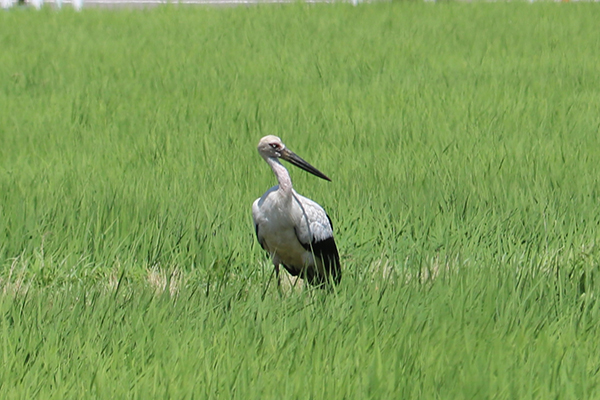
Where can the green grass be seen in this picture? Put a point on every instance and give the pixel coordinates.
(463, 142)
(471, 335)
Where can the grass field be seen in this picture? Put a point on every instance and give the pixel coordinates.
(463, 143)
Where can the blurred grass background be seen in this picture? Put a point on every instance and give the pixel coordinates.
(462, 140)
(129, 136)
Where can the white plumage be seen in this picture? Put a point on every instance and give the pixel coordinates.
(294, 230)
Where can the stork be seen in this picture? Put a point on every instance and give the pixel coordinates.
(295, 231)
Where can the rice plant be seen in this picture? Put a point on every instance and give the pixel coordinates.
(462, 141)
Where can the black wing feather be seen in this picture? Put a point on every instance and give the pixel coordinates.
(327, 251)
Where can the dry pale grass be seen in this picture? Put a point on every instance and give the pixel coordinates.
(15, 285)
(384, 270)
(290, 284)
(160, 279)
(157, 278)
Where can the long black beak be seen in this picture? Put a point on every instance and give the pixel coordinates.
(296, 160)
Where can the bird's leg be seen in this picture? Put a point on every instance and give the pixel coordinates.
(278, 278)
(275, 272)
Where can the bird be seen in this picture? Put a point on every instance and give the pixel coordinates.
(294, 230)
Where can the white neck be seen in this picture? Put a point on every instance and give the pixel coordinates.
(282, 174)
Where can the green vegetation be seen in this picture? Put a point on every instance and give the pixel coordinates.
(463, 142)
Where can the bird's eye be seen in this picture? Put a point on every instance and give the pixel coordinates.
(273, 145)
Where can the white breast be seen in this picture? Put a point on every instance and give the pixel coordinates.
(286, 223)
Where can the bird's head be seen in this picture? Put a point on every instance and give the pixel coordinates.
(272, 147)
